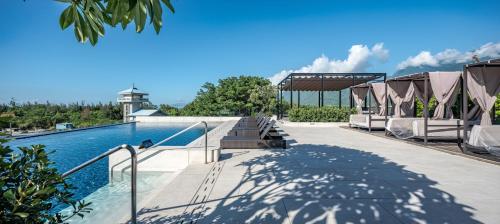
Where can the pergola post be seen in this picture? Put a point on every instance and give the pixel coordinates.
(340, 98)
(281, 101)
(465, 108)
(298, 98)
(351, 99)
(386, 104)
(319, 98)
(291, 92)
(322, 91)
(426, 107)
(369, 108)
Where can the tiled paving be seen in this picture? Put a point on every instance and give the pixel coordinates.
(332, 175)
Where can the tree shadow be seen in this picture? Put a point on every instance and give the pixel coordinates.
(324, 184)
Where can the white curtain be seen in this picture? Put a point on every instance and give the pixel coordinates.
(378, 90)
(402, 94)
(445, 88)
(419, 90)
(359, 94)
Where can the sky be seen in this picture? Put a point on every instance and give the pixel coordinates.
(208, 40)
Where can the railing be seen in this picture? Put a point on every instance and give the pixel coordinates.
(134, 99)
(133, 187)
(111, 172)
(133, 165)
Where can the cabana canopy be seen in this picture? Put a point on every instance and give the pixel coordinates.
(325, 81)
(322, 82)
(482, 81)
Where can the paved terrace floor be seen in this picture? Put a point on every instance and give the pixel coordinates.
(332, 175)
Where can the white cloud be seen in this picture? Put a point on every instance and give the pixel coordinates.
(489, 50)
(358, 60)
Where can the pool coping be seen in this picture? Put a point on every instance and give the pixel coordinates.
(67, 131)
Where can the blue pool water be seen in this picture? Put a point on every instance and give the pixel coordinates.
(73, 148)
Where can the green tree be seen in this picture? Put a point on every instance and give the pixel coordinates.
(34, 116)
(169, 110)
(31, 187)
(233, 96)
(89, 17)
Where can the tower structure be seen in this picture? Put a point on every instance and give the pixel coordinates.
(132, 100)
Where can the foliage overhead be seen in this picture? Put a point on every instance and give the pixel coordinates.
(30, 187)
(89, 17)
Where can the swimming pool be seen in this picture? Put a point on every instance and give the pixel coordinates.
(73, 148)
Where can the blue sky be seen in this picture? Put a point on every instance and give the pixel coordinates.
(208, 40)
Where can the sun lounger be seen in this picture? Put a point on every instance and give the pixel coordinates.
(401, 127)
(249, 130)
(362, 121)
(264, 140)
(438, 129)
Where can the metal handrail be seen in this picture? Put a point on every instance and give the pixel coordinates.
(111, 172)
(133, 185)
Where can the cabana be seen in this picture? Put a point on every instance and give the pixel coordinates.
(321, 82)
(369, 119)
(482, 81)
(445, 86)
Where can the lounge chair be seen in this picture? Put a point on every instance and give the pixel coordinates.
(264, 140)
(251, 130)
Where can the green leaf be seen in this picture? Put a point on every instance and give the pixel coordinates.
(131, 4)
(79, 33)
(116, 14)
(10, 196)
(157, 23)
(140, 17)
(89, 32)
(169, 5)
(66, 18)
(22, 214)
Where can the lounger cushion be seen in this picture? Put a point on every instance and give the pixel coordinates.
(487, 137)
(418, 129)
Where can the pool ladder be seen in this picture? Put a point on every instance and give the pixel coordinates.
(133, 164)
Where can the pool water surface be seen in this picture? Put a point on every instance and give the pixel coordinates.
(73, 148)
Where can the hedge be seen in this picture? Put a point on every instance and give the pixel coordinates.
(323, 114)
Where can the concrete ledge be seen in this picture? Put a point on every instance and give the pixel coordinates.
(183, 119)
(173, 158)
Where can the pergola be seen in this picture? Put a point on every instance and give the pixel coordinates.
(322, 82)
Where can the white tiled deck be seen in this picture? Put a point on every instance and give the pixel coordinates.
(332, 175)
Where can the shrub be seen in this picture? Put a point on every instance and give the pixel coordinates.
(323, 114)
(30, 187)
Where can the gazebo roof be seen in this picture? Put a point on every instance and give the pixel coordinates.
(132, 90)
(326, 81)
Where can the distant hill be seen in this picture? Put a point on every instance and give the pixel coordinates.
(426, 68)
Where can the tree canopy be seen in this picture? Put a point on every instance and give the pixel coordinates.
(35, 115)
(233, 96)
(89, 17)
